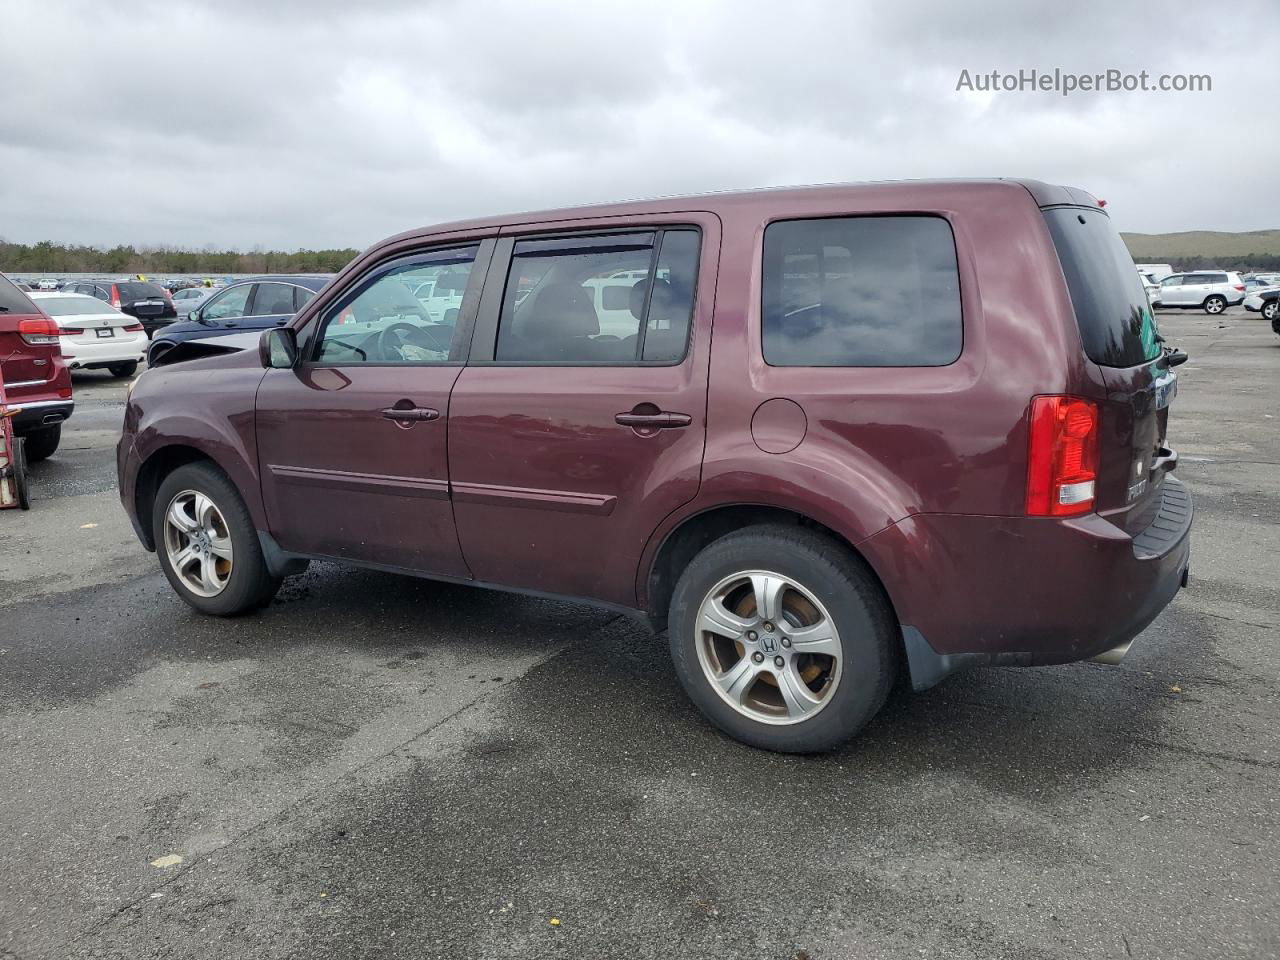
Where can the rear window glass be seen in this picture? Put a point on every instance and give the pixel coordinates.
(861, 292)
(1110, 303)
(76, 306)
(13, 300)
(138, 291)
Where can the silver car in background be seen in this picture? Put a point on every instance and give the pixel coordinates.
(187, 299)
(1209, 290)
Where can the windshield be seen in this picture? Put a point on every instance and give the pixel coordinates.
(1109, 300)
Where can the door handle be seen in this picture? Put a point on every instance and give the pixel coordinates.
(411, 414)
(661, 420)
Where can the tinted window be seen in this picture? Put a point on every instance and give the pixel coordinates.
(301, 297)
(861, 292)
(273, 298)
(406, 313)
(590, 299)
(1111, 307)
(13, 300)
(1174, 281)
(228, 305)
(138, 291)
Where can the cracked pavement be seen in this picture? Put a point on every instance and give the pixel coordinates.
(377, 766)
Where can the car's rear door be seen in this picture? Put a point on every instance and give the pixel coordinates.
(352, 441)
(572, 435)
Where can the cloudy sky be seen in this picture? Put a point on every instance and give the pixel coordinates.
(284, 123)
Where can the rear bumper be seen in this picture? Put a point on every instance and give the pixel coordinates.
(1028, 592)
(107, 350)
(34, 414)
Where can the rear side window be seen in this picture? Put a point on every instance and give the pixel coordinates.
(13, 300)
(600, 299)
(138, 291)
(273, 298)
(861, 292)
(1110, 304)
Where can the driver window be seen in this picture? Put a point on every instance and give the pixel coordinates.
(407, 313)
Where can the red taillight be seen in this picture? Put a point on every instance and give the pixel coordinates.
(1239, 286)
(115, 297)
(133, 328)
(36, 331)
(1062, 462)
(71, 331)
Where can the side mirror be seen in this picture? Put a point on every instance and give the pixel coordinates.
(195, 315)
(278, 349)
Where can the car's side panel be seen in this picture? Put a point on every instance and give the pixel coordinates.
(876, 445)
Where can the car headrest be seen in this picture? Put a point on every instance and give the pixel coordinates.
(563, 310)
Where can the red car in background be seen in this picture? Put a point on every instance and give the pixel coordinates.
(36, 378)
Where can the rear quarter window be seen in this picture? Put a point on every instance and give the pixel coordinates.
(13, 300)
(861, 292)
(1110, 304)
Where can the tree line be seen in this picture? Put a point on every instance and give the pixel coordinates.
(47, 257)
(1267, 262)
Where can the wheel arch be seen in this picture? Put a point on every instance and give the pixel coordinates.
(151, 473)
(692, 533)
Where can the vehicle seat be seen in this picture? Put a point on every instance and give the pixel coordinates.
(560, 326)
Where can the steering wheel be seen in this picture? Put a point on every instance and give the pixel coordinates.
(389, 349)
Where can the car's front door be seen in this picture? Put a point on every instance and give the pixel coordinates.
(574, 430)
(1172, 290)
(351, 442)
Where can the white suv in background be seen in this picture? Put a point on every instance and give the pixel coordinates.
(1210, 290)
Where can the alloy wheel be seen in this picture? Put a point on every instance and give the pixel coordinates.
(768, 647)
(197, 542)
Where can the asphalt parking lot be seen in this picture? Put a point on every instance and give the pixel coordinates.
(380, 766)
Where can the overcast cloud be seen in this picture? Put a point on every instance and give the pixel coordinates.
(322, 124)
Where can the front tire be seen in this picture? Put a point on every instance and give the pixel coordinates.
(127, 369)
(783, 638)
(207, 543)
(1271, 309)
(43, 443)
(1214, 305)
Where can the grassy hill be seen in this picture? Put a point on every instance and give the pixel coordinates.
(1204, 244)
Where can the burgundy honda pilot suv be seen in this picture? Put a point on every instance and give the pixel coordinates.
(824, 435)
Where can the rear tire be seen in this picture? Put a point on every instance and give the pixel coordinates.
(43, 443)
(237, 578)
(827, 596)
(127, 369)
(1271, 309)
(1214, 305)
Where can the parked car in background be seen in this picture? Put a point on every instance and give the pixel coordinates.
(1209, 290)
(1151, 286)
(1267, 303)
(187, 299)
(151, 304)
(253, 304)
(94, 335)
(1255, 284)
(36, 377)
(1158, 271)
(833, 488)
(22, 285)
(47, 283)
